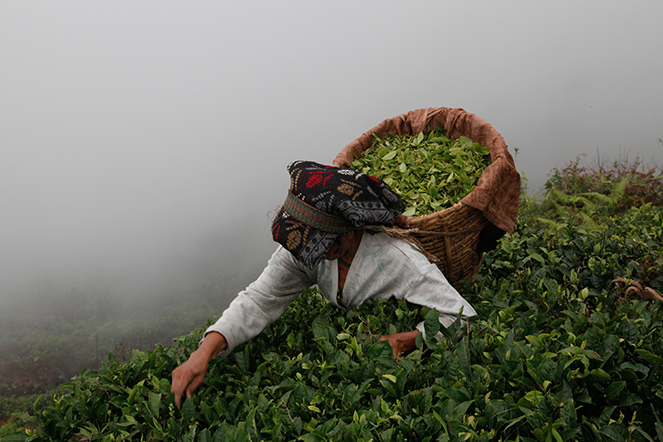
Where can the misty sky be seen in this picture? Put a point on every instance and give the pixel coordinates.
(146, 139)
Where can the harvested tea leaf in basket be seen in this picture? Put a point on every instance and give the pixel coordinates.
(430, 172)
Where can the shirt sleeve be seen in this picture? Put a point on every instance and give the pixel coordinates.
(263, 301)
(433, 290)
(391, 268)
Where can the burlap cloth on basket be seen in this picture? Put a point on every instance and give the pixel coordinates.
(498, 190)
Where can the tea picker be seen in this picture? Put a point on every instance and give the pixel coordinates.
(337, 230)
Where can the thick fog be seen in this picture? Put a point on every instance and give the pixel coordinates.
(144, 144)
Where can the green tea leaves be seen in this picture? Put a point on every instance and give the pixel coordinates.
(430, 172)
(556, 352)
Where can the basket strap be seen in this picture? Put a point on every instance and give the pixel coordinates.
(448, 251)
(436, 232)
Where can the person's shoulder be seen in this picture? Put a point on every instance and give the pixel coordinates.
(283, 260)
(399, 249)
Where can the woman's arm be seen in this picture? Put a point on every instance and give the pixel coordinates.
(190, 375)
(263, 301)
(253, 309)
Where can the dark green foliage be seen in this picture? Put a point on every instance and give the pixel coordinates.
(558, 352)
(566, 339)
(555, 354)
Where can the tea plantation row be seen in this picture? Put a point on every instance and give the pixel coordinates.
(558, 352)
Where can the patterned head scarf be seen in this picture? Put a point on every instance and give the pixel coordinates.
(325, 201)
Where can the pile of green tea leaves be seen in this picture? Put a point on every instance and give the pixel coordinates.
(430, 172)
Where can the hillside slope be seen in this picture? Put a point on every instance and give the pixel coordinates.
(567, 345)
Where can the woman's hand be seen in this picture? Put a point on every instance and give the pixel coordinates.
(401, 343)
(190, 375)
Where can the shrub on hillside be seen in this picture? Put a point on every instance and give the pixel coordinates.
(557, 352)
(583, 194)
(563, 348)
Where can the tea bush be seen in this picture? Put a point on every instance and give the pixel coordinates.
(584, 194)
(566, 346)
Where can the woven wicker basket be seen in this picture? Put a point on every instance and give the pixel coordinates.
(450, 237)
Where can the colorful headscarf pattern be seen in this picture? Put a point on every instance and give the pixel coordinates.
(325, 201)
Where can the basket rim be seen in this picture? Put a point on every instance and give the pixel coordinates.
(414, 223)
(500, 207)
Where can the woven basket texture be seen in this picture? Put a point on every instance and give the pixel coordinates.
(450, 236)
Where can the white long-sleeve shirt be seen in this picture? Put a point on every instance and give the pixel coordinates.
(382, 268)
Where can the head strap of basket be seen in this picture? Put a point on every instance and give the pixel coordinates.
(325, 201)
(452, 238)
